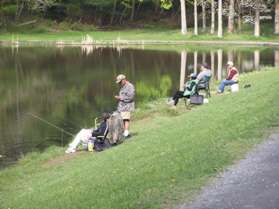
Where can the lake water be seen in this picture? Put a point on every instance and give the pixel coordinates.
(70, 86)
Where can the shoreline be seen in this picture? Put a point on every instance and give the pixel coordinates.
(110, 43)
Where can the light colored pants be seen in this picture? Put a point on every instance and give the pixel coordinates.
(82, 137)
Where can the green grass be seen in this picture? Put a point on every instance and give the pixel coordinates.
(174, 153)
(149, 33)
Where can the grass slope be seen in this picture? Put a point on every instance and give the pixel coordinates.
(165, 163)
(152, 33)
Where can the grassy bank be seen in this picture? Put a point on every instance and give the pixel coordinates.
(172, 154)
(147, 34)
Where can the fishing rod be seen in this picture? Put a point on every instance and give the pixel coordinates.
(50, 124)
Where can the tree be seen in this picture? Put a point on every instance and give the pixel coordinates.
(239, 17)
(276, 30)
(203, 3)
(257, 19)
(183, 17)
(195, 18)
(212, 17)
(231, 17)
(133, 10)
(220, 19)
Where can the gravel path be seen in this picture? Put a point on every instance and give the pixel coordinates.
(253, 183)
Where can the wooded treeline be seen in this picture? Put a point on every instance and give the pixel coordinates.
(213, 14)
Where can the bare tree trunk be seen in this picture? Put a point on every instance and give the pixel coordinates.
(195, 18)
(20, 7)
(276, 17)
(231, 17)
(257, 21)
(276, 58)
(132, 17)
(220, 64)
(195, 61)
(203, 16)
(113, 11)
(212, 17)
(183, 17)
(183, 69)
(220, 19)
(239, 18)
(239, 23)
(257, 59)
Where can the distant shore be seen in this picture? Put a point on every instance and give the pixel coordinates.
(133, 37)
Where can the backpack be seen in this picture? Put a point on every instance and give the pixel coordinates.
(116, 128)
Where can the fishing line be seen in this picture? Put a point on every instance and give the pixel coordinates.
(50, 124)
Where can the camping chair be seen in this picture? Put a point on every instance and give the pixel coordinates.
(101, 140)
(204, 84)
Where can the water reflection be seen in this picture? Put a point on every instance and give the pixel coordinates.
(70, 86)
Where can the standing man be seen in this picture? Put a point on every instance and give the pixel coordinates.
(126, 102)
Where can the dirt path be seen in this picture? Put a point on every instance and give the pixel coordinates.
(253, 183)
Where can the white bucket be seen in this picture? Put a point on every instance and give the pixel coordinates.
(235, 87)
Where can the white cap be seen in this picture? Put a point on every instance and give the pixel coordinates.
(230, 63)
(120, 77)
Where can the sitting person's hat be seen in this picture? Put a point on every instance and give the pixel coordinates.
(105, 115)
(120, 77)
(230, 63)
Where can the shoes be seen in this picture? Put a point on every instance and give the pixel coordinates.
(70, 150)
(170, 102)
(126, 133)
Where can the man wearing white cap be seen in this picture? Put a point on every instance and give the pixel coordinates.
(126, 102)
(232, 77)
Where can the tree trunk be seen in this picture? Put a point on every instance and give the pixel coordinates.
(195, 18)
(239, 18)
(239, 23)
(257, 59)
(220, 64)
(132, 17)
(231, 17)
(212, 17)
(195, 61)
(220, 19)
(276, 17)
(257, 21)
(183, 69)
(113, 11)
(183, 17)
(203, 16)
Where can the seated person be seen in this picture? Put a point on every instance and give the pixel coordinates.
(189, 90)
(205, 73)
(232, 77)
(85, 134)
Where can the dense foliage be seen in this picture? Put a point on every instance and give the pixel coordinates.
(137, 13)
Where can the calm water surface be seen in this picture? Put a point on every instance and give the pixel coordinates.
(71, 86)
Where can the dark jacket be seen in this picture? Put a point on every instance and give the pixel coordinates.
(100, 131)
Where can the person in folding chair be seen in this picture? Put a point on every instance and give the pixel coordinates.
(203, 79)
(190, 89)
(90, 134)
